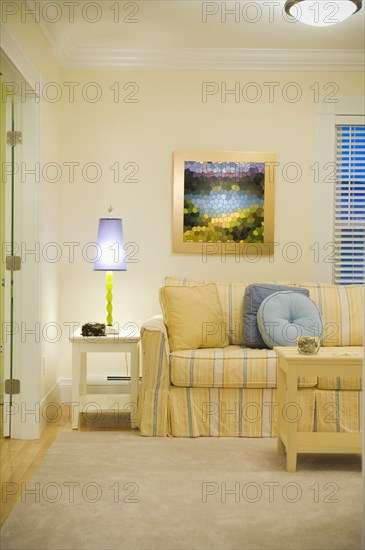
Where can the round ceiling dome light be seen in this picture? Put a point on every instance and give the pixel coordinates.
(322, 13)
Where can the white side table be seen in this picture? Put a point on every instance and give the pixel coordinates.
(331, 361)
(81, 346)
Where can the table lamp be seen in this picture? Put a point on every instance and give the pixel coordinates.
(109, 258)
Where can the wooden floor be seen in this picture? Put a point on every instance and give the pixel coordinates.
(20, 458)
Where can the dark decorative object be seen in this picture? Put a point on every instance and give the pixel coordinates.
(93, 329)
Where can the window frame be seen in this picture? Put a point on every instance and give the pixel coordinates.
(348, 110)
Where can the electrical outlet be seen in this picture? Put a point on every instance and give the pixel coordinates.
(43, 365)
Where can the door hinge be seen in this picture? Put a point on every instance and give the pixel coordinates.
(13, 263)
(12, 386)
(14, 138)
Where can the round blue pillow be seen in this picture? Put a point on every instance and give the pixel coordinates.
(285, 315)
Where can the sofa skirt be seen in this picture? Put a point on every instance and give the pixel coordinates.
(220, 412)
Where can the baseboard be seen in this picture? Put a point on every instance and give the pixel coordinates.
(50, 409)
(50, 404)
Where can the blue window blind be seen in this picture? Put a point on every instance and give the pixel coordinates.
(349, 220)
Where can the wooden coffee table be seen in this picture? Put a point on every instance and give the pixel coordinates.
(340, 361)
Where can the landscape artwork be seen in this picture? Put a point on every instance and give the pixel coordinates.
(224, 201)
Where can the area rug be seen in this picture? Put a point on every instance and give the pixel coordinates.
(118, 490)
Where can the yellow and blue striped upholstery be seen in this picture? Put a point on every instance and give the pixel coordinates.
(240, 400)
(339, 383)
(166, 409)
(220, 412)
(230, 367)
(253, 413)
(224, 412)
(154, 392)
(342, 308)
(338, 411)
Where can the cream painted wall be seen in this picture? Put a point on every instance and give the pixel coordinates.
(36, 51)
(170, 115)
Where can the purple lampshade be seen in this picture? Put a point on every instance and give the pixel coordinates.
(110, 254)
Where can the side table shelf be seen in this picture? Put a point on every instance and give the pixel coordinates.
(115, 343)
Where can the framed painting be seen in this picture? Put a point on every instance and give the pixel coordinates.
(224, 202)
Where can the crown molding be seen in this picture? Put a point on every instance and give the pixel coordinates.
(224, 59)
(215, 59)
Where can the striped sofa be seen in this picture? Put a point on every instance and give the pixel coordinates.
(231, 391)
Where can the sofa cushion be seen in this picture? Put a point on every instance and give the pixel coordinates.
(193, 317)
(341, 306)
(231, 367)
(342, 309)
(284, 316)
(253, 297)
(231, 299)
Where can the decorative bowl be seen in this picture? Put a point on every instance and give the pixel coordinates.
(308, 345)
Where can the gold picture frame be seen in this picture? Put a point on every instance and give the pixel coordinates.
(224, 202)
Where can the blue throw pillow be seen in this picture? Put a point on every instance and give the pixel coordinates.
(284, 316)
(254, 296)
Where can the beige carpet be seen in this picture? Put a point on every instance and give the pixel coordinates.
(114, 490)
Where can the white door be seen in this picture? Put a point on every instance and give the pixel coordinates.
(20, 313)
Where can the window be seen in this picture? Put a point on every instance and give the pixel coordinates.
(349, 208)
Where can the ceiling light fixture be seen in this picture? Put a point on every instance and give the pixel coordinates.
(322, 13)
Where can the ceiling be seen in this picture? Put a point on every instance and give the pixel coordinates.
(194, 34)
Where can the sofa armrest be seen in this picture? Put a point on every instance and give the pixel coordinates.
(155, 323)
(153, 398)
(156, 351)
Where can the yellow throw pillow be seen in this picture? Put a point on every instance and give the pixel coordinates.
(193, 317)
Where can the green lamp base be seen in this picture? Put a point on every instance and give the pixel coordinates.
(110, 328)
